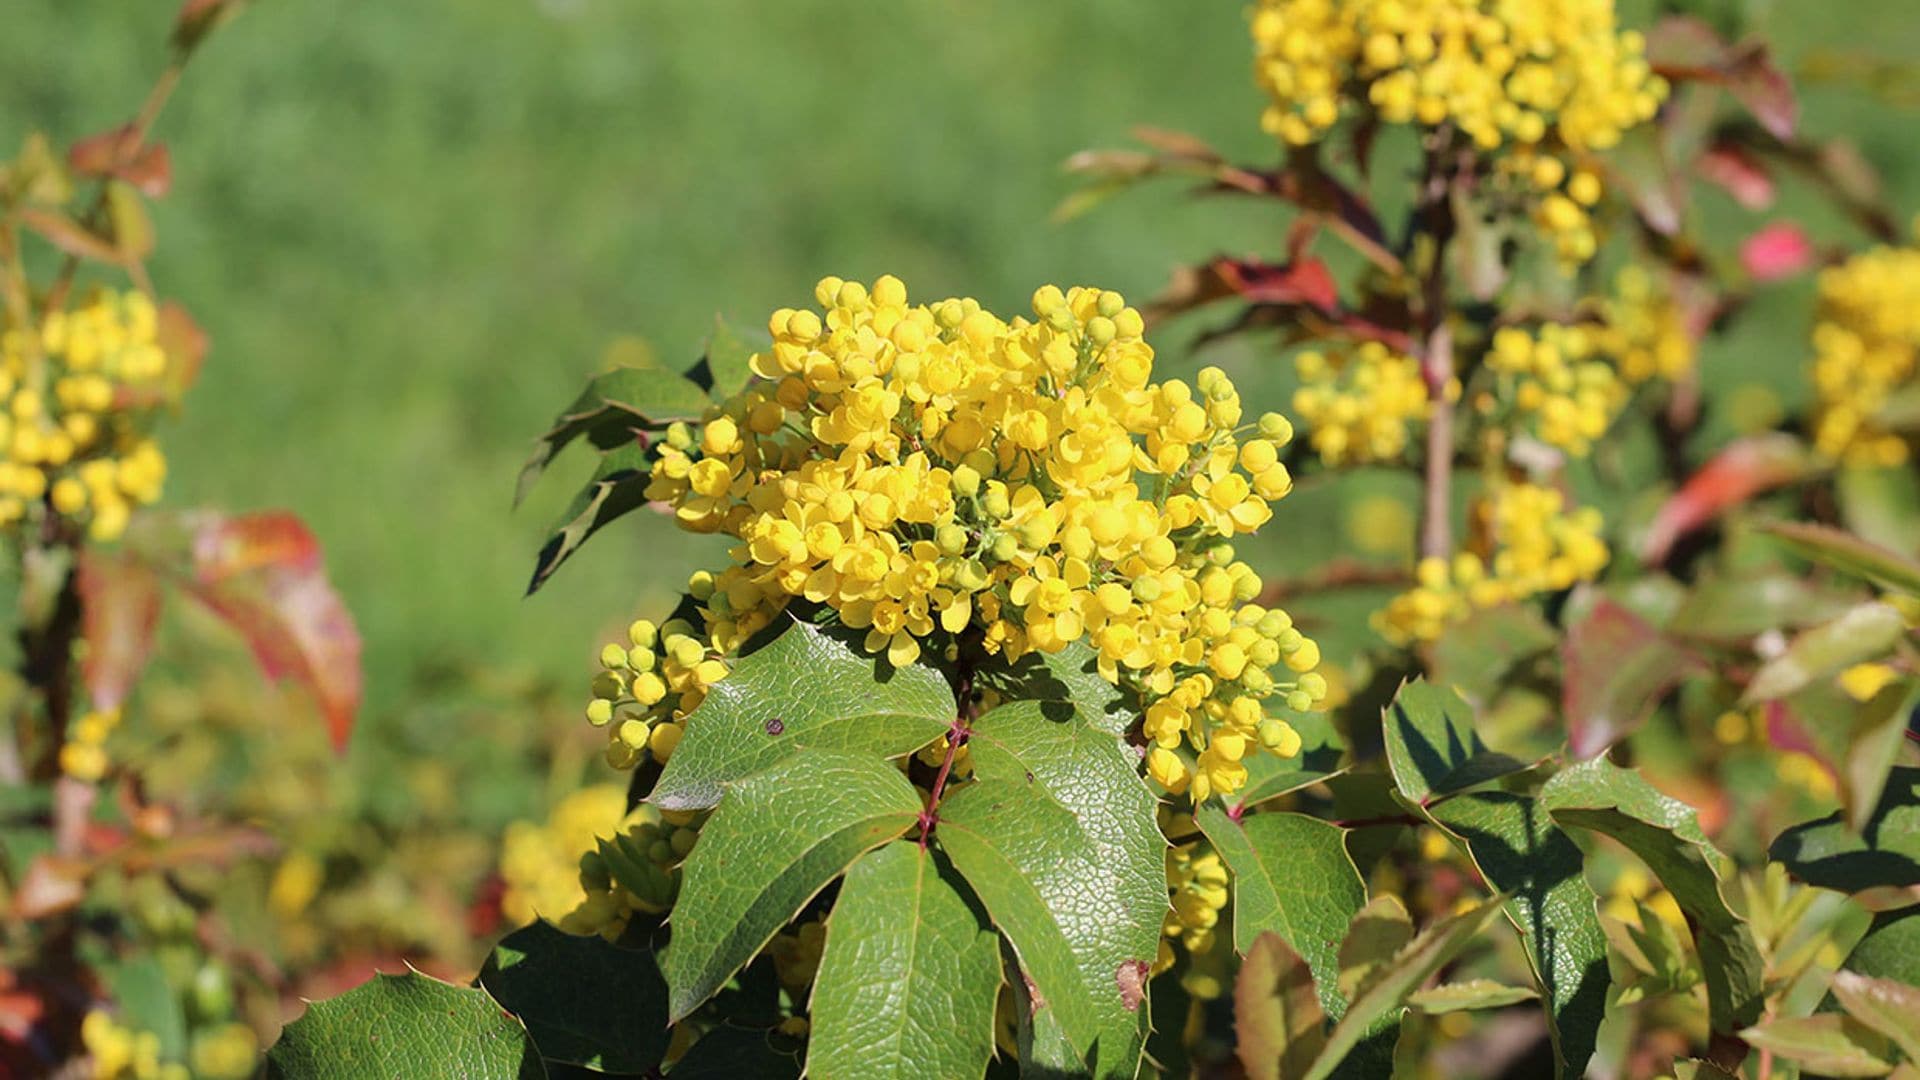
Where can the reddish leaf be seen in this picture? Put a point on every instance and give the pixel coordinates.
(120, 154)
(1742, 175)
(63, 232)
(1616, 668)
(1683, 48)
(1777, 251)
(52, 884)
(198, 18)
(120, 604)
(1745, 468)
(185, 344)
(1302, 281)
(1639, 168)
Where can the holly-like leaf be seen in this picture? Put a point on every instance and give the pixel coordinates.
(584, 1001)
(1891, 947)
(778, 838)
(1472, 994)
(1826, 1045)
(1886, 852)
(1292, 876)
(805, 690)
(405, 1025)
(1387, 992)
(618, 487)
(1070, 675)
(1617, 668)
(907, 983)
(1864, 632)
(1888, 1007)
(725, 369)
(120, 602)
(609, 412)
(729, 1053)
(1432, 747)
(1519, 851)
(1321, 750)
(1277, 1020)
(1058, 838)
(1850, 554)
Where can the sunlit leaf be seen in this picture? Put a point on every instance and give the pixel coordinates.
(1277, 1019)
(1433, 748)
(405, 1025)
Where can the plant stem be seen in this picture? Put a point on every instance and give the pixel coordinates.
(46, 660)
(1436, 366)
(957, 735)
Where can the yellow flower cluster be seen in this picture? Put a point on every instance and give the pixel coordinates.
(1197, 885)
(78, 389)
(1525, 542)
(933, 473)
(651, 683)
(84, 755)
(1865, 343)
(1555, 378)
(1358, 406)
(540, 861)
(120, 1053)
(632, 870)
(1645, 331)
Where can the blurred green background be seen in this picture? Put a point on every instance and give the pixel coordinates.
(412, 229)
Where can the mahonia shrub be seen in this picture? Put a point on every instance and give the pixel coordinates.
(984, 750)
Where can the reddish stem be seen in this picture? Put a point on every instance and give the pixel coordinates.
(957, 734)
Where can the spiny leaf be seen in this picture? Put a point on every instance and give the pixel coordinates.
(729, 1052)
(1886, 852)
(618, 487)
(1472, 994)
(1058, 838)
(1827, 1045)
(612, 408)
(1277, 1019)
(1432, 747)
(1850, 554)
(1888, 1007)
(779, 837)
(405, 1025)
(1291, 876)
(807, 689)
(1070, 675)
(1321, 748)
(584, 1001)
(1388, 992)
(907, 983)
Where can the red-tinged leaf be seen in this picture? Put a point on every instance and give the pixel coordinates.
(150, 172)
(1302, 281)
(1616, 668)
(120, 154)
(120, 605)
(52, 884)
(1739, 173)
(1745, 468)
(1777, 251)
(63, 232)
(1176, 143)
(185, 344)
(1686, 49)
(198, 18)
(1639, 168)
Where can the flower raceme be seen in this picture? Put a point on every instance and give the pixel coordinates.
(1866, 349)
(948, 480)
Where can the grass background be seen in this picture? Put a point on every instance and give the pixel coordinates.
(412, 229)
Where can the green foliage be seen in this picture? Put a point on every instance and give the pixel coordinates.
(584, 1002)
(405, 1025)
(1433, 747)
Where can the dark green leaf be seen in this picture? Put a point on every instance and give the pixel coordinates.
(908, 980)
(1850, 554)
(733, 1053)
(1827, 1045)
(612, 408)
(1277, 1018)
(405, 1025)
(807, 689)
(778, 838)
(1432, 747)
(618, 487)
(584, 1001)
(1321, 748)
(1891, 947)
(1292, 877)
(1058, 837)
(1829, 854)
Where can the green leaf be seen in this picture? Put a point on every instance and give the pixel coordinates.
(1601, 783)
(1864, 632)
(1616, 668)
(1891, 947)
(1696, 1069)
(1888, 1007)
(1058, 837)
(807, 689)
(1519, 851)
(908, 980)
(1279, 1026)
(1375, 936)
(1729, 956)
(146, 1001)
(405, 1025)
(1472, 994)
(778, 838)
(618, 487)
(1735, 608)
(584, 1001)
(1476, 653)
(1827, 1045)
(725, 369)
(1321, 748)
(1070, 675)
(1829, 854)
(1850, 554)
(1387, 993)
(1432, 747)
(729, 1053)
(611, 409)
(1291, 876)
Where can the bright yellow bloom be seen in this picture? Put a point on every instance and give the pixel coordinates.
(1865, 343)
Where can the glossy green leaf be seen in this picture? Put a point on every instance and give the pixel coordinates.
(1057, 836)
(733, 1053)
(1888, 1007)
(1519, 851)
(907, 983)
(405, 1025)
(1292, 877)
(1432, 747)
(1472, 994)
(1886, 852)
(1863, 632)
(1070, 675)
(1321, 752)
(1279, 1026)
(807, 689)
(778, 838)
(618, 488)
(1826, 1045)
(724, 369)
(612, 408)
(584, 1001)
(1386, 994)
(1891, 947)
(1850, 554)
